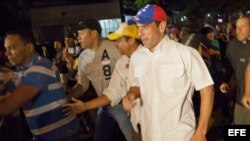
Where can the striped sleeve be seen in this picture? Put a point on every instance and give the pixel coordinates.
(37, 76)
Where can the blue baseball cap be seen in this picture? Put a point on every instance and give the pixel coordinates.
(148, 14)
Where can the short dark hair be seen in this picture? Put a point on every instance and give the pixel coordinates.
(25, 34)
(69, 35)
(206, 30)
(92, 24)
(157, 23)
(192, 25)
(138, 41)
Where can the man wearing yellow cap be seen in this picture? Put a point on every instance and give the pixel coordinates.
(127, 41)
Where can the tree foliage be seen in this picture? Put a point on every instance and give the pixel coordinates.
(141, 3)
(199, 8)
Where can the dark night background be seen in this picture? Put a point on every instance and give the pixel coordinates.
(16, 13)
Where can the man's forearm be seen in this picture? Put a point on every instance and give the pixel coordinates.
(207, 98)
(98, 102)
(4, 108)
(77, 91)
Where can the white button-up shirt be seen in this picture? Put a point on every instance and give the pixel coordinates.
(167, 78)
(119, 86)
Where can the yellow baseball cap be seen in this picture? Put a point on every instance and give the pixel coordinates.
(124, 30)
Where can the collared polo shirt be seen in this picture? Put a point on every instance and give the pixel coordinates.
(44, 112)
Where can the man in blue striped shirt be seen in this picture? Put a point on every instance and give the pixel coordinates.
(38, 91)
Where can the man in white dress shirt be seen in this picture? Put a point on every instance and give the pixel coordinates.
(165, 74)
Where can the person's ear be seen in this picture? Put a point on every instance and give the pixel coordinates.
(30, 47)
(94, 33)
(162, 26)
(131, 41)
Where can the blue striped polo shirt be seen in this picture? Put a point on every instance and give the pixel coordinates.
(43, 112)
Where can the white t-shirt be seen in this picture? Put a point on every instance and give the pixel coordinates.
(98, 66)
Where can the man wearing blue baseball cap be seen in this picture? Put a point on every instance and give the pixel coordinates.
(164, 74)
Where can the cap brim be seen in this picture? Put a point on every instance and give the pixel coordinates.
(139, 19)
(131, 21)
(113, 36)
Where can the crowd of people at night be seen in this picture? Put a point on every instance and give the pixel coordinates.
(148, 81)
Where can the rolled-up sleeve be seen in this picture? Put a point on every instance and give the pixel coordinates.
(116, 89)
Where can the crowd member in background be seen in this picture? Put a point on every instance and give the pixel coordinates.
(231, 32)
(71, 53)
(38, 91)
(191, 36)
(165, 74)
(238, 53)
(60, 63)
(174, 34)
(96, 64)
(58, 48)
(191, 33)
(79, 50)
(12, 127)
(217, 72)
(221, 32)
(127, 41)
(3, 58)
(222, 38)
(45, 52)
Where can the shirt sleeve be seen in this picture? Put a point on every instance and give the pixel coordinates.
(116, 88)
(131, 77)
(85, 58)
(80, 65)
(39, 77)
(200, 75)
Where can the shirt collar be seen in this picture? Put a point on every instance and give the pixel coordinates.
(162, 44)
(159, 47)
(29, 64)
